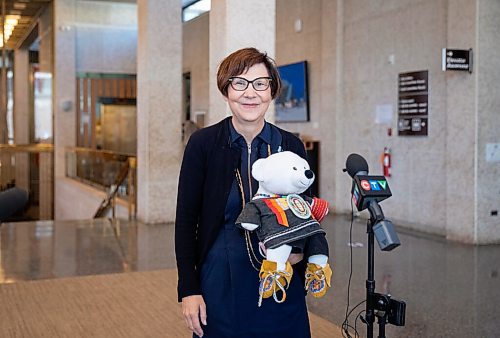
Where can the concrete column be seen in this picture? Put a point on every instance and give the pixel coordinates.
(159, 108)
(64, 86)
(22, 115)
(487, 68)
(45, 36)
(235, 25)
(331, 93)
(461, 128)
(488, 135)
(339, 101)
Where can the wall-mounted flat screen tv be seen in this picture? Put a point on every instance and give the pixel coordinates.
(292, 105)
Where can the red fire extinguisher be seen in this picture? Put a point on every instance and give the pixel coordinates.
(386, 162)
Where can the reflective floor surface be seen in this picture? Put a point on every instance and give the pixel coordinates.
(450, 289)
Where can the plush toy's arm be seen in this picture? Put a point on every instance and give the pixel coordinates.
(249, 218)
(319, 207)
(249, 226)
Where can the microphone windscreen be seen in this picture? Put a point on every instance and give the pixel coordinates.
(356, 163)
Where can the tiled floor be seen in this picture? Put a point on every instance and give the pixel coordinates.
(451, 290)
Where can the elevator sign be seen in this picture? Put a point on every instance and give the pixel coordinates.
(457, 59)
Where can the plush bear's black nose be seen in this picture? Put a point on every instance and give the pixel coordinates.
(309, 174)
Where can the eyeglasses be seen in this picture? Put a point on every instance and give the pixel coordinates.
(259, 84)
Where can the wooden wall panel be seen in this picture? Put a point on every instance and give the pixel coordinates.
(89, 90)
(93, 100)
(78, 112)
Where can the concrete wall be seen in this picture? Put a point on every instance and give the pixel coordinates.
(412, 33)
(320, 50)
(106, 37)
(352, 42)
(441, 183)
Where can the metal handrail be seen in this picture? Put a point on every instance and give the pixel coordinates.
(93, 160)
(108, 201)
(27, 148)
(108, 154)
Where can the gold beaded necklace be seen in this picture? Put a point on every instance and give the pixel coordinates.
(254, 260)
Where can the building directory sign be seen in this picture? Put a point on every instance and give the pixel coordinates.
(413, 103)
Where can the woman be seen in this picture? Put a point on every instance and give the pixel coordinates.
(218, 263)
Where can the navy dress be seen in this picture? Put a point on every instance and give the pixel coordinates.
(230, 283)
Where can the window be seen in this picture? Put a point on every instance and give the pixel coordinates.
(193, 9)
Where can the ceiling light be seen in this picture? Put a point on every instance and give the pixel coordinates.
(12, 19)
(19, 5)
(9, 24)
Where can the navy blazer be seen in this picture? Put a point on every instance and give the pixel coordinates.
(207, 173)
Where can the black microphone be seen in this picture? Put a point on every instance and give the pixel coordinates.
(356, 165)
(367, 191)
(365, 187)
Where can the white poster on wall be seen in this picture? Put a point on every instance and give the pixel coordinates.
(383, 114)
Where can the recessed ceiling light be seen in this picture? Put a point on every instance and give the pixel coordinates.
(19, 5)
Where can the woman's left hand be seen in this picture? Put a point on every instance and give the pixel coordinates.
(295, 258)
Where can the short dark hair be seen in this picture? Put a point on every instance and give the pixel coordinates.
(240, 61)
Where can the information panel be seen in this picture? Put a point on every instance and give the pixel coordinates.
(413, 103)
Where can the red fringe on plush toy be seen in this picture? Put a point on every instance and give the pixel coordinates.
(319, 208)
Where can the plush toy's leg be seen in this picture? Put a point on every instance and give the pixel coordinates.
(318, 272)
(273, 281)
(284, 269)
(279, 255)
(318, 279)
(320, 260)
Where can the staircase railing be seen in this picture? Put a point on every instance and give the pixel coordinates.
(112, 172)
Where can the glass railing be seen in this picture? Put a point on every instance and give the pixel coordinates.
(112, 172)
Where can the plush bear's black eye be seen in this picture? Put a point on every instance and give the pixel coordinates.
(294, 168)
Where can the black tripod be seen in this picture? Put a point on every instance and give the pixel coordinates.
(387, 310)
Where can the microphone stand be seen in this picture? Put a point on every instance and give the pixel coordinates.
(387, 310)
(376, 215)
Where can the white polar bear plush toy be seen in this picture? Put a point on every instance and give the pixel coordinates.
(283, 219)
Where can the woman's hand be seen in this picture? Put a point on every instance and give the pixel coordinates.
(194, 309)
(295, 258)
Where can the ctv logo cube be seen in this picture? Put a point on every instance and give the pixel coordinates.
(368, 185)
